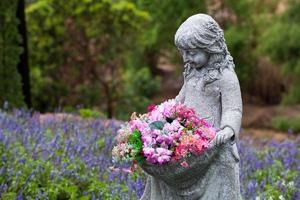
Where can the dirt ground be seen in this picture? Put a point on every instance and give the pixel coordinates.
(257, 121)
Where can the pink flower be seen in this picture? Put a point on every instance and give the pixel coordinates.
(185, 134)
(148, 151)
(210, 134)
(151, 107)
(148, 140)
(184, 164)
(156, 132)
(168, 139)
(163, 151)
(155, 116)
(152, 158)
(138, 124)
(204, 123)
(173, 127)
(164, 145)
(167, 112)
(180, 151)
(163, 159)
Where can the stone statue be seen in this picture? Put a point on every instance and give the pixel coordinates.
(212, 88)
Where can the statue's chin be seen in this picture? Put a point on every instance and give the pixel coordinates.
(197, 66)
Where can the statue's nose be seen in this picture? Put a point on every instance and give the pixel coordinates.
(185, 57)
(185, 60)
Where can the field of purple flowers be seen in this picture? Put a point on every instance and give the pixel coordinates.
(68, 158)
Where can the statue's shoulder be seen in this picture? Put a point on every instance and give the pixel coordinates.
(227, 74)
(228, 78)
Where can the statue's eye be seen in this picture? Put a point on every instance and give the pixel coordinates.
(191, 53)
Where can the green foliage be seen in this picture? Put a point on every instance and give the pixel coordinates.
(276, 174)
(80, 54)
(241, 36)
(41, 176)
(166, 16)
(293, 95)
(281, 41)
(139, 86)
(89, 113)
(158, 37)
(100, 143)
(238, 42)
(157, 125)
(10, 80)
(283, 123)
(136, 141)
(104, 53)
(91, 53)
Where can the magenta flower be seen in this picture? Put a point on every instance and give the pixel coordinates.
(169, 131)
(151, 107)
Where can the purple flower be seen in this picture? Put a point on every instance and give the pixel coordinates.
(56, 142)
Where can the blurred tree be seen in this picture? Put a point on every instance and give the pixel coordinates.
(106, 52)
(166, 16)
(281, 41)
(243, 22)
(79, 53)
(235, 17)
(10, 80)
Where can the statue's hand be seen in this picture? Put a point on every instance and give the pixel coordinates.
(222, 136)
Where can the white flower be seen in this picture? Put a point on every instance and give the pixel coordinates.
(291, 184)
(281, 197)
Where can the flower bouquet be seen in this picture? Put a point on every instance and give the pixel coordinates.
(165, 141)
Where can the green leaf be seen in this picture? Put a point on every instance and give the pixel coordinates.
(134, 137)
(157, 125)
(85, 197)
(140, 159)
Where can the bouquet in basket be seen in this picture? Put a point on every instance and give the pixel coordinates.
(168, 132)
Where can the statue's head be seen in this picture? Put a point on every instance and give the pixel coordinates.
(200, 38)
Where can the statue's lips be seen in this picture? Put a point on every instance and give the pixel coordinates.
(191, 65)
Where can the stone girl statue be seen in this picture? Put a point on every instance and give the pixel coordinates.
(210, 87)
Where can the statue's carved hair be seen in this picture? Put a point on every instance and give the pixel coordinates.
(202, 31)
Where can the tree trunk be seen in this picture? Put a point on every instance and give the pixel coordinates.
(151, 57)
(23, 66)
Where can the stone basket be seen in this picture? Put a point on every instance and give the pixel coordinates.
(178, 177)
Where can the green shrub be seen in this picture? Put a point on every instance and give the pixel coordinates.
(89, 113)
(139, 86)
(283, 47)
(283, 123)
(10, 80)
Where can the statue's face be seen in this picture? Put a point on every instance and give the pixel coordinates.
(195, 57)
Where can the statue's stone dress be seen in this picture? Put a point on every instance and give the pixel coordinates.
(215, 95)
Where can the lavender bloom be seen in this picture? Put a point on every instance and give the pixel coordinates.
(79, 151)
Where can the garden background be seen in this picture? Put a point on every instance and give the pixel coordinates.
(72, 71)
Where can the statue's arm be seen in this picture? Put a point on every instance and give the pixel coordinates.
(181, 95)
(231, 102)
